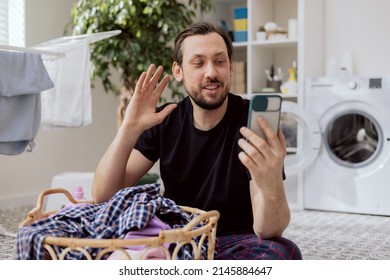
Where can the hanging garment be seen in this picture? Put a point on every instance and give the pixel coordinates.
(69, 103)
(22, 78)
(129, 209)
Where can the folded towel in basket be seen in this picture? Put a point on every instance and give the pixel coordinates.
(152, 229)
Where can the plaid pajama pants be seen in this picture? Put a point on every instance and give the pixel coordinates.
(251, 247)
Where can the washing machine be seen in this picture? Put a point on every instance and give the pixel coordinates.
(347, 166)
(303, 141)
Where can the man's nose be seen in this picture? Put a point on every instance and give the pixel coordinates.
(210, 71)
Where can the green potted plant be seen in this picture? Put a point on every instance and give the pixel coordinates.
(148, 29)
(261, 34)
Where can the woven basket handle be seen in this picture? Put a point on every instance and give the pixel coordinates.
(37, 214)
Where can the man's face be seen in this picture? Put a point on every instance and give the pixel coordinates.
(206, 70)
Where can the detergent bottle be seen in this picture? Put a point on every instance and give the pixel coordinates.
(78, 193)
(291, 85)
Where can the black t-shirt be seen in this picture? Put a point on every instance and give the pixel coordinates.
(201, 168)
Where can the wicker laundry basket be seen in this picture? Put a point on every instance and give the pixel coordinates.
(180, 237)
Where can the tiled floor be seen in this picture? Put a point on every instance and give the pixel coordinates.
(340, 236)
(9, 220)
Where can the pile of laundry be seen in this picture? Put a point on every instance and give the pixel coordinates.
(132, 212)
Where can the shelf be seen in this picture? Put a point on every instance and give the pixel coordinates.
(275, 43)
(240, 44)
(282, 43)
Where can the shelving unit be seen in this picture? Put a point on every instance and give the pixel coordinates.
(306, 50)
(260, 55)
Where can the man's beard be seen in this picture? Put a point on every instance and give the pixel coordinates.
(203, 103)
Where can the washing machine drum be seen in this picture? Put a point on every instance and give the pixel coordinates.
(352, 139)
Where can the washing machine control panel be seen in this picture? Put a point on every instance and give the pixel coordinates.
(352, 84)
(375, 83)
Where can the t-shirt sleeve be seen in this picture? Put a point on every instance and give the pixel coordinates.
(150, 141)
(148, 144)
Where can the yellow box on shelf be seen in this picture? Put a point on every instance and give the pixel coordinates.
(241, 24)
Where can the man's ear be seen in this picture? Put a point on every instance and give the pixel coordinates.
(177, 72)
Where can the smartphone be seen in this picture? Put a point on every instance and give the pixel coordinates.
(266, 106)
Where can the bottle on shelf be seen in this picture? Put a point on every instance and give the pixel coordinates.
(290, 86)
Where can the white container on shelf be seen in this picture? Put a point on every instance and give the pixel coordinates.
(261, 36)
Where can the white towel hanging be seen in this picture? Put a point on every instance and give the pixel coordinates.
(69, 103)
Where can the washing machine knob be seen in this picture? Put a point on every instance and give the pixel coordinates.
(352, 84)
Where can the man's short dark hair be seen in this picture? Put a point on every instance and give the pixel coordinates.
(200, 28)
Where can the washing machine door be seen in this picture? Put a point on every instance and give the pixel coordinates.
(354, 138)
(303, 137)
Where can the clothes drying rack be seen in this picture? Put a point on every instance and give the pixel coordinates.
(75, 40)
(50, 54)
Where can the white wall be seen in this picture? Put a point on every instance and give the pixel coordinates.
(362, 28)
(76, 149)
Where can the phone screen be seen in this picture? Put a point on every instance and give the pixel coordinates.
(266, 106)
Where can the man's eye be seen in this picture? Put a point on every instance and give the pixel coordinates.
(197, 63)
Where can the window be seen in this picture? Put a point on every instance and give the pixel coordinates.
(12, 22)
